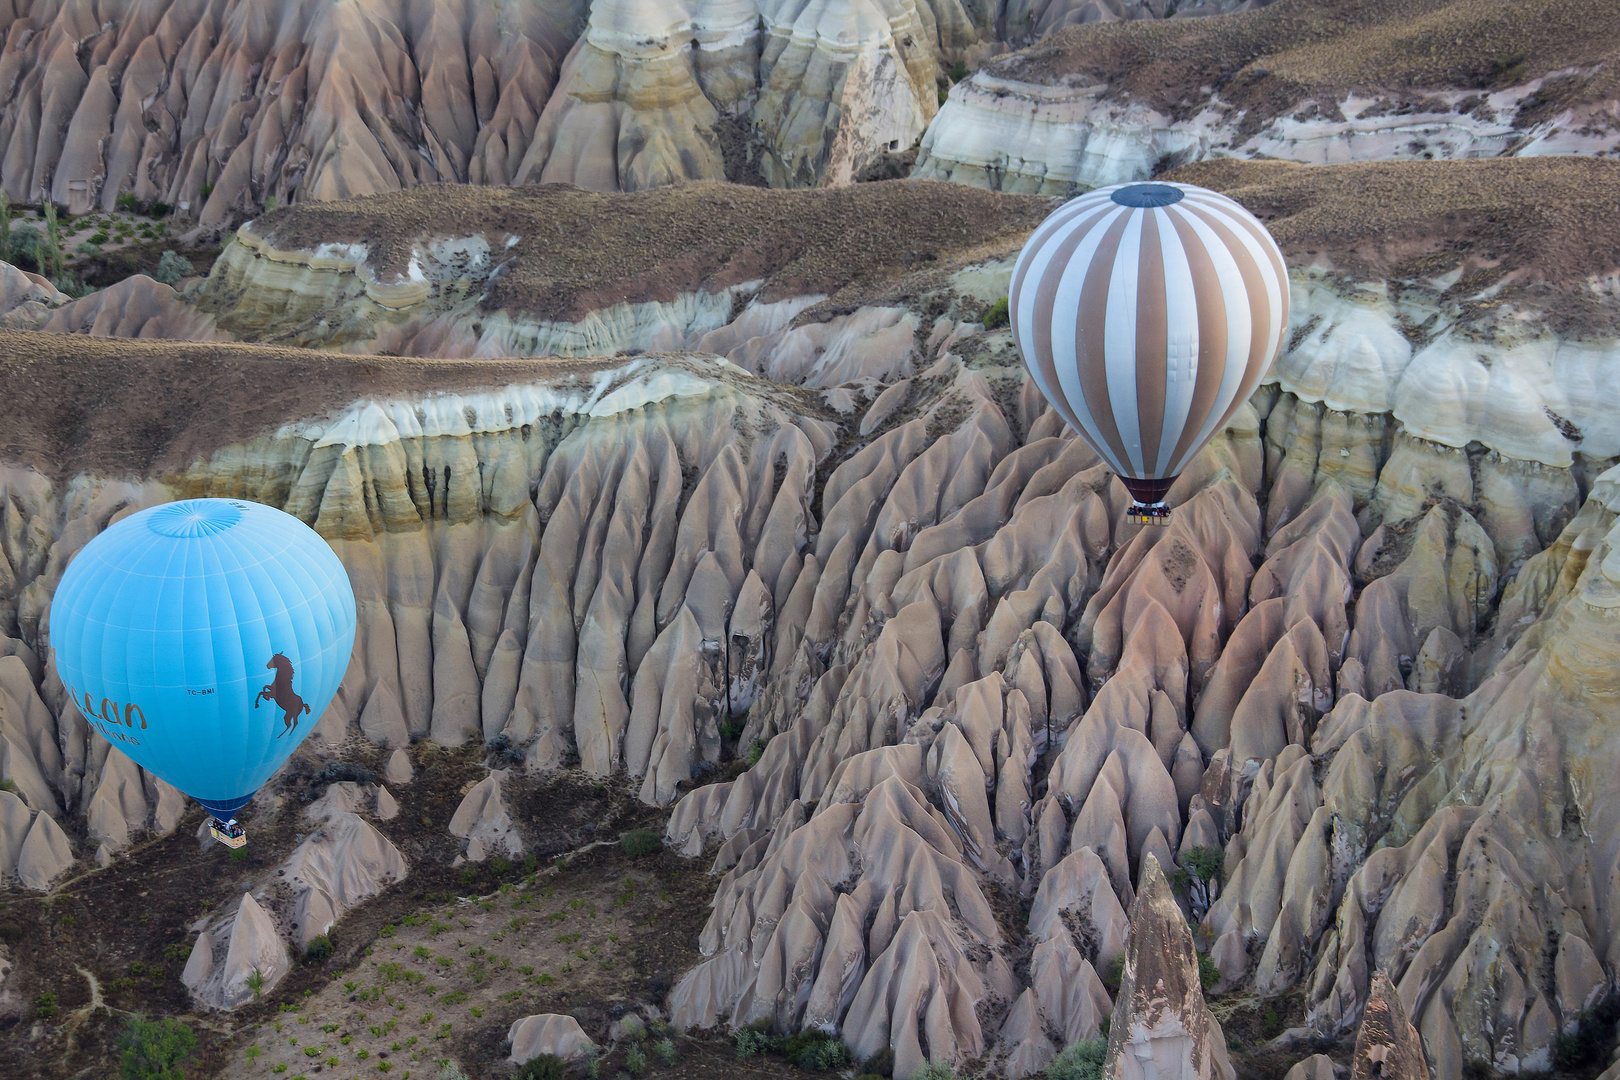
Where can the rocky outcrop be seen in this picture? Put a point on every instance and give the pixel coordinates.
(719, 269)
(1386, 1045)
(237, 958)
(484, 822)
(136, 307)
(253, 100)
(1161, 1025)
(219, 109)
(342, 863)
(547, 1033)
(1317, 83)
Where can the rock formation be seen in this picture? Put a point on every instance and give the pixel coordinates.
(484, 822)
(1161, 1026)
(1351, 701)
(340, 864)
(218, 109)
(718, 269)
(547, 1033)
(1322, 82)
(236, 958)
(1386, 1045)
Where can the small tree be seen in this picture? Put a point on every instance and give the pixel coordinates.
(255, 981)
(50, 248)
(1203, 868)
(155, 1049)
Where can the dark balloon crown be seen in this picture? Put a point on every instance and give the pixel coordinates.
(1145, 195)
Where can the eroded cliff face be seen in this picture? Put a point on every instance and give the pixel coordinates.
(1325, 82)
(217, 107)
(1370, 661)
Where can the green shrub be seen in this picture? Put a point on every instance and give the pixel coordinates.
(932, 1071)
(879, 1064)
(997, 315)
(25, 246)
(100, 237)
(639, 842)
(155, 1049)
(45, 1005)
(665, 1049)
(959, 71)
(755, 752)
(635, 1059)
(1209, 976)
(10, 933)
(87, 247)
(50, 247)
(753, 1041)
(1081, 1060)
(1115, 974)
(544, 1067)
(318, 950)
(255, 981)
(816, 1051)
(172, 267)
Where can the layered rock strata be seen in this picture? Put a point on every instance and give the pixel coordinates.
(1322, 82)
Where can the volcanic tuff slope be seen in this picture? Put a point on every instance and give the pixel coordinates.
(1372, 659)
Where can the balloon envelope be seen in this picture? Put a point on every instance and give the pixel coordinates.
(1147, 314)
(204, 638)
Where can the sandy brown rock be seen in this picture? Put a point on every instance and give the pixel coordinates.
(1386, 1044)
(1161, 1025)
(547, 1033)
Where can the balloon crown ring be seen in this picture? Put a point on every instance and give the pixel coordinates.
(195, 517)
(1142, 196)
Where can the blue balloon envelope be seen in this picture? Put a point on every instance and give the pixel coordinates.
(204, 638)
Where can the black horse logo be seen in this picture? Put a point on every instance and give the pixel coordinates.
(281, 692)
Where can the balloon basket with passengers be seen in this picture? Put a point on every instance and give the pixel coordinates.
(1146, 314)
(204, 638)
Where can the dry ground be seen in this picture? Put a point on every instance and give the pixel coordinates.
(138, 408)
(1544, 229)
(434, 968)
(578, 251)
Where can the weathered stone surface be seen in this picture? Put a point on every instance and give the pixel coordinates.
(1386, 1044)
(1161, 1026)
(547, 1033)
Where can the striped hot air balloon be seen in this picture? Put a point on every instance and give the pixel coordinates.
(1147, 313)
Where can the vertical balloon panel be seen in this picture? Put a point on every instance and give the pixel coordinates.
(204, 638)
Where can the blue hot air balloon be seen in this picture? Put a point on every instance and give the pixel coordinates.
(204, 638)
